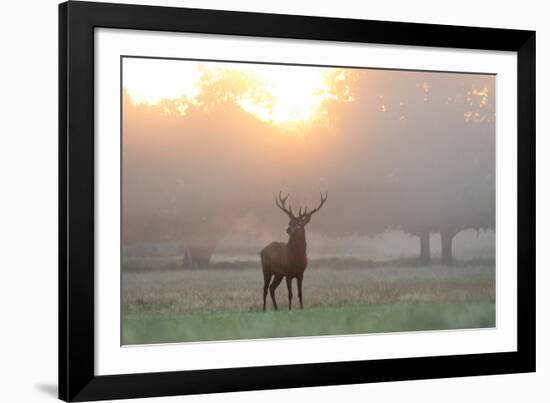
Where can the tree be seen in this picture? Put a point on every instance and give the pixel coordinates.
(407, 150)
(191, 169)
(453, 132)
(427, 152)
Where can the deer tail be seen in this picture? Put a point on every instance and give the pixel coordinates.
(263, 257)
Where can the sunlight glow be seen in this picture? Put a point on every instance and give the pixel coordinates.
(298, 93)
(291, 94)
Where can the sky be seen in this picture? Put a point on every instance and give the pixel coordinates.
(294, 93)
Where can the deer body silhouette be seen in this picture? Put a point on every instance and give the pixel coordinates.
(287, 260)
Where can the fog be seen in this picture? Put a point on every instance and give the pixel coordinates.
(402, 155)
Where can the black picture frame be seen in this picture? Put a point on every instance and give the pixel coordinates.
(77, 379)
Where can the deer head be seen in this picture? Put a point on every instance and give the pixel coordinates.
(297, 223)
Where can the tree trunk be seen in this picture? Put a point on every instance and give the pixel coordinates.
(203, 255)
(188, 259)
(425, 256)
(447, 247)
(198, 256)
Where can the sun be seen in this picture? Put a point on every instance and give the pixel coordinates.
(295, 93)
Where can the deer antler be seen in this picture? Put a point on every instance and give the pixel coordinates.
(280, 202)
(323, 200)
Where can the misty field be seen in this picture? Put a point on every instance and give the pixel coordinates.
(226, 302)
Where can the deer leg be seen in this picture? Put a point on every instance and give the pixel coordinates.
(276, 281)
(299, 281)
(267, 280)
(289, 286)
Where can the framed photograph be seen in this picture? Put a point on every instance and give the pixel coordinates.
(258, 201)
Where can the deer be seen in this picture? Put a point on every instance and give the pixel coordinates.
(287, 259)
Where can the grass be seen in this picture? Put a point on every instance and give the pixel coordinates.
(222, 304)
(166, 327)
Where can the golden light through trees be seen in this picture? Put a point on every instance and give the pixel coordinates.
(285, 96)
(206, 145)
